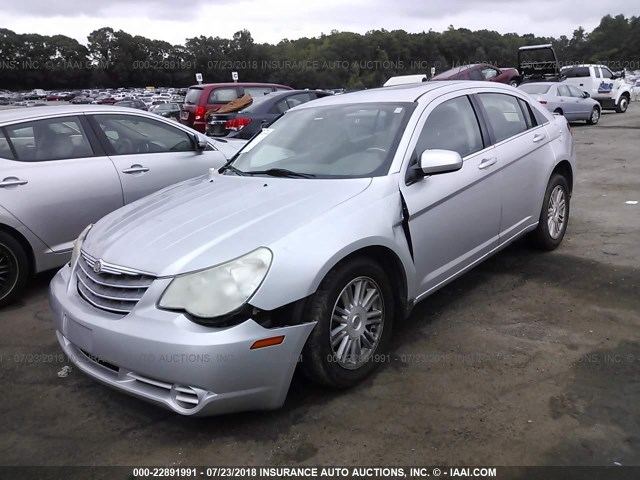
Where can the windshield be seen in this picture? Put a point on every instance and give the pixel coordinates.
(535, 88)
(336, 141)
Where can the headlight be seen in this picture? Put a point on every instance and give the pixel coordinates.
(219, 290)
(77, 244)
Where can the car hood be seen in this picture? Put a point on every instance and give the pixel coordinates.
(212, 219)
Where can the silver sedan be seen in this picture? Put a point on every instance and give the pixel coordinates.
(305, 249)
(64, 167)
(566, 100)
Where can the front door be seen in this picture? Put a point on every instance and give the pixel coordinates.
(454, 218)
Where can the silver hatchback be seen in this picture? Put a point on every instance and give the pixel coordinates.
(64, 167)
(304, 250)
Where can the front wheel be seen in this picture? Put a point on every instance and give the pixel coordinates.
(354, 309)
(594, 117)
(623, 104)
(554, 216)
(14, 269)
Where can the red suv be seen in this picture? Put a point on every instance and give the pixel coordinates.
(201, 99)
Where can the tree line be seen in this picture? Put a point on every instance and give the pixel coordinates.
(337, 60)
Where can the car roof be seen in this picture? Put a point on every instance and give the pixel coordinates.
(23, 114)
(237, 84)
(549, 84)
(410, 92)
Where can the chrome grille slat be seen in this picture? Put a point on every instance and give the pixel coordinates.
(120, 281)
(129, 294)
(110, 290)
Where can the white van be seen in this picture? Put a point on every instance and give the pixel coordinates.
(609, 89)
(405, 79)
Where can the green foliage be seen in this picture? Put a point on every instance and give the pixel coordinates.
(337, 60)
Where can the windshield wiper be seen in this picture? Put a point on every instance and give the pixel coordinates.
(232, 168)
(280, 172)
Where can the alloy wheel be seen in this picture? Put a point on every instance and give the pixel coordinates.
(8, 271)
(357, 321)
(556, 212)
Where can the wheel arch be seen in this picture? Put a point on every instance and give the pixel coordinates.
(564, 168)
(393, 267)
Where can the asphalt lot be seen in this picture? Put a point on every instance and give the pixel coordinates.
(530, 359)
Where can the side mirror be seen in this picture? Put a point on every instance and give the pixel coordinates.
(200, 141)
(585, 95)
(433, 162)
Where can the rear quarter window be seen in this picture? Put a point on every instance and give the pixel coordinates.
(223, 95)
(193, 96)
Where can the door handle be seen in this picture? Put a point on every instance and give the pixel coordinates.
(538, 137)
(12, 182)
(487, 162)
(135, 169)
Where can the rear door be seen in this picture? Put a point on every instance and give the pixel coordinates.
(454, 218)
(523, 149)
(54, 180)
(151, 154)
(568, 104)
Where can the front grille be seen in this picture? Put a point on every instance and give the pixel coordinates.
(112, 289)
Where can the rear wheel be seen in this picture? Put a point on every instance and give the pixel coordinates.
(558, 111)
(594, 117)
(353, 308)
(623, 104)
(14, 269)
(513, 83)
(554, 216)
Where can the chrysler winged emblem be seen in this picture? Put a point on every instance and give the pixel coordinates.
(97, 267)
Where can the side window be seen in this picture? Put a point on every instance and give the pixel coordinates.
(451, 126)
(51, 139)
(475, 74)
(575, 72)
(606, 73)
(131, 134)
(563, 91)
(598, 72)
(298, 99)
(257, 91)
(505, 115)
(488, 73)
(575, 92)
(5, 149)
(529, 118)
(223, 95)
(280, 89)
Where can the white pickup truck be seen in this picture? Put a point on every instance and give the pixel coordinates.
(609, 89)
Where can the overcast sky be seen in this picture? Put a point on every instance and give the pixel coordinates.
(273, 20)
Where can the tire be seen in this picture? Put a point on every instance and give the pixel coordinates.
(558, 111)
(546, 237)
(335, 366)
(514, 83)
(594, 118)
(623, 104)
(14, 269)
